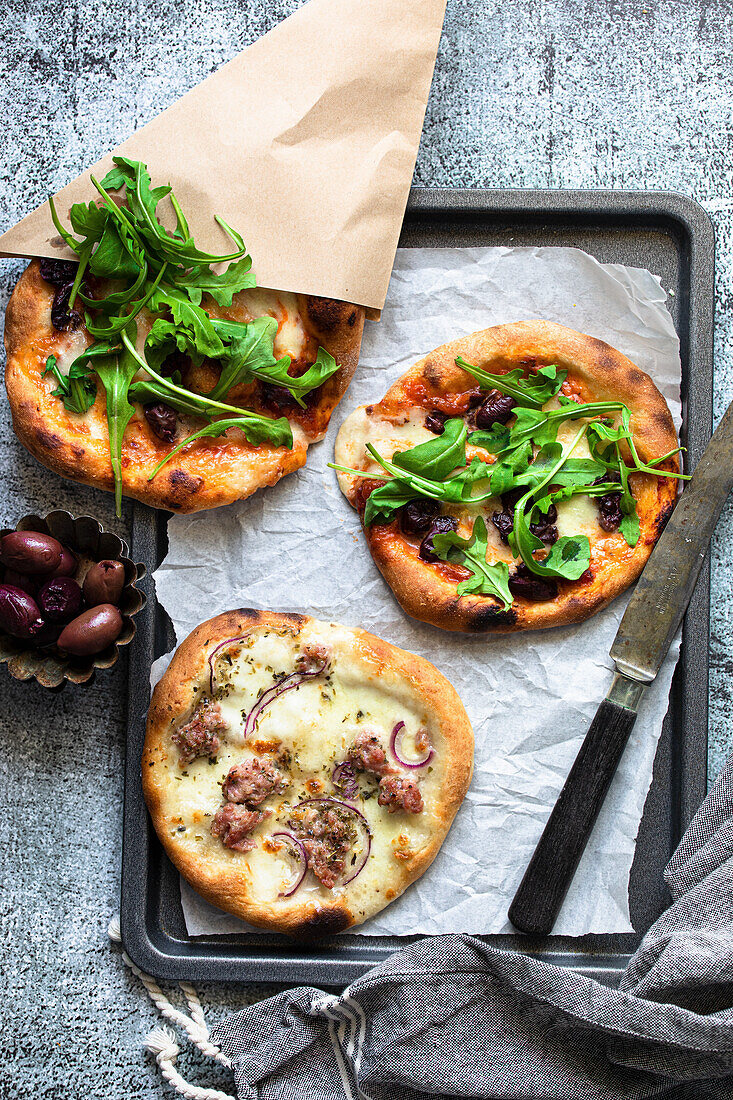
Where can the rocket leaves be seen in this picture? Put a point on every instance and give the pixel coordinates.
(528, 462)
(121, 239)
(487, 580)
(533, 389)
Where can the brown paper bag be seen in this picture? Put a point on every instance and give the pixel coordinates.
(305, 142)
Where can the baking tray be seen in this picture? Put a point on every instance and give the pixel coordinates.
(671, 236)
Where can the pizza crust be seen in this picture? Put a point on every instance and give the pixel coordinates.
(596, 371)
(209, 473)
(395, 684)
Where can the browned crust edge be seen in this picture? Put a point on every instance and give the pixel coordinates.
(179, 487)
(174, 698)
(419, 588)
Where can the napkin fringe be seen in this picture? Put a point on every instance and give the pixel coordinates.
(161, 1041)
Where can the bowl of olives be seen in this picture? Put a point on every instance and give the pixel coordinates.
(67, 598)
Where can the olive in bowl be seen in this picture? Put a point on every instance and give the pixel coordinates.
(68, 596)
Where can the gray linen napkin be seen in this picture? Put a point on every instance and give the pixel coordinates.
(449, 1016)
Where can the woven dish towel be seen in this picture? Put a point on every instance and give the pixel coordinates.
(449, 1016)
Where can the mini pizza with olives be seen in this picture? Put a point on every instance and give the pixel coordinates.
(301, 774)
(162, 372)
(517, 478)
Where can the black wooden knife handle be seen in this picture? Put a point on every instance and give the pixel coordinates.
(542, 891)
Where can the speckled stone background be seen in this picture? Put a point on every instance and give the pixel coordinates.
(527, 93)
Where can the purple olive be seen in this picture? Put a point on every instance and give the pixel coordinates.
(417, 516)
(68, 565)
(19, 580)
(104, 583)
(545, 529)
(435, 422)
(30, 552)
(440, 525)
(92, 631)
(19, 614)
(504, 524)
(163, 420)
(609, 511)
(60, 599)
(63, 318)
(529, 586)
(498, 408)
(58, 272)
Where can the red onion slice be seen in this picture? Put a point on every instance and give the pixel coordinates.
(302, 864)
(294, 680)
(363, 824)
(344, 779)
(212, 655)
(395, 747)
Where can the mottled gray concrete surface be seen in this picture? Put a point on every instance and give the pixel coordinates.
(537, 93)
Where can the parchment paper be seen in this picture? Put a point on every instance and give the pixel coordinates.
(305, 142)
(530, 697)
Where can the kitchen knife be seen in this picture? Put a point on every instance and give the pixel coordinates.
(650, 622)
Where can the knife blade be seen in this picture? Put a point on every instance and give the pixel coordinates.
(650, 622)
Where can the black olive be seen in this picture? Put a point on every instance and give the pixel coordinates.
(163, 420)
(19, 612)
(104, 583)
(545, 528)
(58, 272)
(92, 631)
(64, 319)
(609, 511)
(529, 586)
(497, 408)
(504, 524)
(60, 599)
(417, 516)
(510, 498)
(435, 422)
(30, 552)
(176, 361)
(439, 525)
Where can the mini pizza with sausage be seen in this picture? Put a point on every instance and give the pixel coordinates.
(517, 478)
(302, 774)
(154, 369)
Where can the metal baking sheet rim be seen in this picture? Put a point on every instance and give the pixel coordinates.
(254, 958)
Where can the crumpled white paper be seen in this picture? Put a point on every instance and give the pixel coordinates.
(531, 697)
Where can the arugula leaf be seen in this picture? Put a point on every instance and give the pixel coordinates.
(488, 580)
(570, 555)
(116, 372)
(116, 256)
(76, 389)
(385, 501)
(254, 432)
(172, 393)
(532, 391)
(143, 201)
(248, 351)
(201, 280)
(437, 458)
(194, 321)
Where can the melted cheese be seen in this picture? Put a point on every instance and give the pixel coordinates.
(68, 346)
(313, 725)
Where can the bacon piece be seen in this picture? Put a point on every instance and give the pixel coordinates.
(252, 782)
(367, 755)
(199, 736)
(397, 792)
(327, 837)
(234, 824)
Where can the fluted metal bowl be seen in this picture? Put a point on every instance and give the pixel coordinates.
(88, 539)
